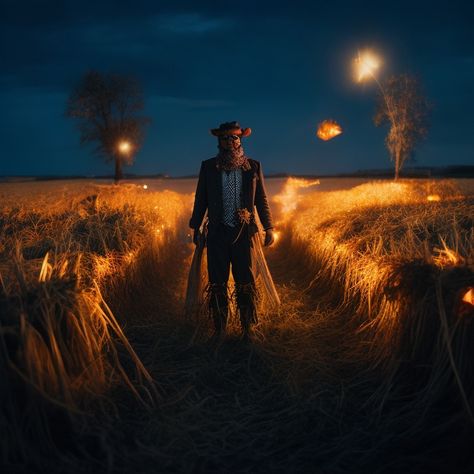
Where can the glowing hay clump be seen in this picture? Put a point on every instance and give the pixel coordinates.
(328, 129)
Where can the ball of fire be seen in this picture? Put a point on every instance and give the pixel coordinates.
(328, 129)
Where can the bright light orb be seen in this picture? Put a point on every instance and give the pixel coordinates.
(124, 147)
(145, 186)
(366, 64)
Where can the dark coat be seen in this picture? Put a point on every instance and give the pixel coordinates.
(209, 195)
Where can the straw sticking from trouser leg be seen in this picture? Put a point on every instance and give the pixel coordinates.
(197, 278)
(263, 272)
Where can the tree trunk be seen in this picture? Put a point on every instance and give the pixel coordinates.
(397, 165)
(118, 170)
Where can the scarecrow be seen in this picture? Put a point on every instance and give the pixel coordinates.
(229, 188)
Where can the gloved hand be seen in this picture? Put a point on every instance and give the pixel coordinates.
(269, 237)
(196, 237)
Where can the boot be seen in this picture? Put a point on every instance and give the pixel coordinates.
(247, 319)
(218, 307)
(220, 321)
(246, 295)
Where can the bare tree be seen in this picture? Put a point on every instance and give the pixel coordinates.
(106, 107)
(402, 104)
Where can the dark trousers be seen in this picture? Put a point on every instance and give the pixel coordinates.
(224, 252)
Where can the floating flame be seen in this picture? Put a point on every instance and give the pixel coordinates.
(434, 198)
(328, 129)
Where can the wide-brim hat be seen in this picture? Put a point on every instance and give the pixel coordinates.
(231, 128)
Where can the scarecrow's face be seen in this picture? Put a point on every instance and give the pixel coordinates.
(229, 142)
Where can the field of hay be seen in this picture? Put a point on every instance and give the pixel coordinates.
(365, 367)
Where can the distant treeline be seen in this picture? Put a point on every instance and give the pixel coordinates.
(455, 171)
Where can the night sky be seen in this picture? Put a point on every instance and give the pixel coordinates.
(279, 68)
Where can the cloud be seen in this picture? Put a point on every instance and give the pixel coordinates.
(191, 103)
(191, 23)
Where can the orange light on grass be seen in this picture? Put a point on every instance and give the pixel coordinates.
(434, 198)
(130, 257)
(447, 257)
(328, 129)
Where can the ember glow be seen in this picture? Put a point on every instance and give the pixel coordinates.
(366, 64)
(328, 129)
(434, 198)
(469, 296)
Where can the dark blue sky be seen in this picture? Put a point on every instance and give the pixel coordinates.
(279, 68)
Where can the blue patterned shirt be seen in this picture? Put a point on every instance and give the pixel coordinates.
(231, 188)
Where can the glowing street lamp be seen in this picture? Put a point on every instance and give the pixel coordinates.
(123, 154)
(124, 147)
(366, 64)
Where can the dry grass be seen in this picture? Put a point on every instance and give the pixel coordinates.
(364, 368)
(62, 347)
(400, 264)
(320, 391)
